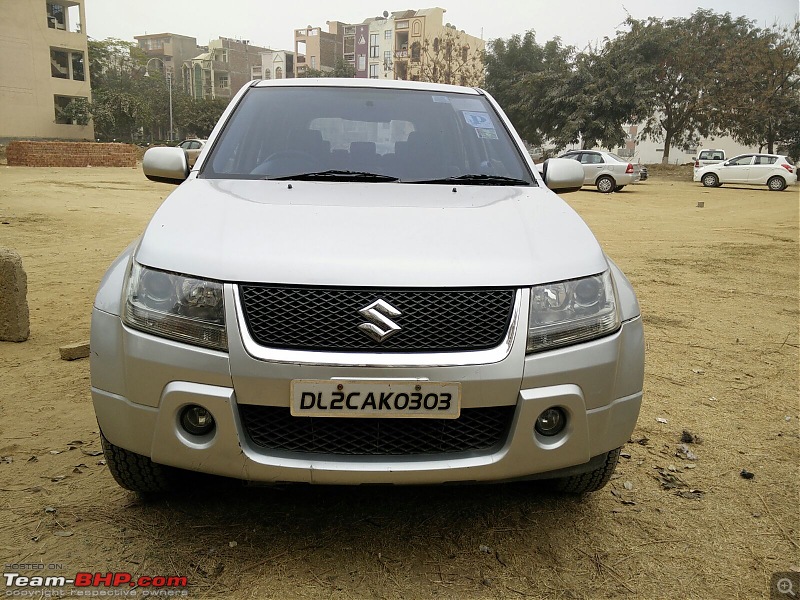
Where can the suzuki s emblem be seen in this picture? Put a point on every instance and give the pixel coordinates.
(380, 326)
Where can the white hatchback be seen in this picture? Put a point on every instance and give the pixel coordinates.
(773, 170)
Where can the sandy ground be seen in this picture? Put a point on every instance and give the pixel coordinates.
(719, 292)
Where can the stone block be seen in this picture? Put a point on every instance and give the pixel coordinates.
(74, 351)
(14, 318)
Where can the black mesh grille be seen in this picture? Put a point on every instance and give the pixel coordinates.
(476, 429)
(327, 319)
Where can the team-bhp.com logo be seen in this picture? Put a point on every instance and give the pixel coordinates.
(96, 580)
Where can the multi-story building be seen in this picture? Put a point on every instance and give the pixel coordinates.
(409, 44)
(44, 66)
(220, 71)
(171, 50)
(318, 50)
(276, 64)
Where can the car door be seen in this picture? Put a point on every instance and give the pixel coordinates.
(762, 168)
(593, 166)
(736, 170)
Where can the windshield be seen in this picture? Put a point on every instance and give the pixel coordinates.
(352, 133)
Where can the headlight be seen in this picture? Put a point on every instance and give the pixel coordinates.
(569, 312)
(175, 306)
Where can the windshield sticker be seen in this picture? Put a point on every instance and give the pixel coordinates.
(486, 133)
(477, 119)
(441, 99)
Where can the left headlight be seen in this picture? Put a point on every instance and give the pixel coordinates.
(177, 307)
(570, 312)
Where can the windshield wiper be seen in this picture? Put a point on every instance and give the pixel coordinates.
(476, 179)
(337, 175)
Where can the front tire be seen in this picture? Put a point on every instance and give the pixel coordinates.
(710, 180)
(606, 184)
(591, 481)
(136, 472)
(776, 184)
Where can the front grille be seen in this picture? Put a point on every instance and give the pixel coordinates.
(328, 319)
(275, 428)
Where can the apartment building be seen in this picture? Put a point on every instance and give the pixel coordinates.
(168, 52)
(408, 44)
(316, 49)
(44, 66)
(220, 71)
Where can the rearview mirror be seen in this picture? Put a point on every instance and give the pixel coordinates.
(562, 175)
(166, 165)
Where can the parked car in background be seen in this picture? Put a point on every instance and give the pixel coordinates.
(642, 171)
(708, 156)
(773, 170)
(607, 171)
(192, 148)
(364, 282)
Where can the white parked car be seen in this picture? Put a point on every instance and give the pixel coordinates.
(365, 281)
(605, 170)
(773, 170)
(192, 147)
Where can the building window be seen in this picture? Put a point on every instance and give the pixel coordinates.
(373, 45)
(387, 34)
(401, 25)
(67, 64)
(415, 29)
(267, 73)
(373, 71)
(55, 16)
(313, 62)
(59, 63)
(387, 59)
(223, 81)
(415, 51)
(362, 62)
(278, 73)
(70, 110)
(77, 66)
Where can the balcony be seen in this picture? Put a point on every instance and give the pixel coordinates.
(401, 53)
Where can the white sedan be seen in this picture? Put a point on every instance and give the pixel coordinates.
(773, 170)
(605, 170)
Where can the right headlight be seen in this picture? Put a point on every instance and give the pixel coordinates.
(175, 306)
(569, 312)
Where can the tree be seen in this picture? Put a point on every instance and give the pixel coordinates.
(684, 68)
(766, 110)
(341, 68)
(448, 58)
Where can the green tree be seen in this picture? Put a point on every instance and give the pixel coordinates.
(766, 108)
(684, 66)
(341, 69)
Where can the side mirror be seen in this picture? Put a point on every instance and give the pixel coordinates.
(562, 175)
(165, 165)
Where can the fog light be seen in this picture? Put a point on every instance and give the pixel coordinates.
(197, 420)
(551, 422)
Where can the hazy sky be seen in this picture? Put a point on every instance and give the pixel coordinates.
(271, 23)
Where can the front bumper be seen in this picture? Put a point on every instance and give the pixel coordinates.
(140, 384)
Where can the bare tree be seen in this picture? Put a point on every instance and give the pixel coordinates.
(449, 58)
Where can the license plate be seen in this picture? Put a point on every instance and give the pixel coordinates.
(372, 398)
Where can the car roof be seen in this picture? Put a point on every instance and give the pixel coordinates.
(365, 83)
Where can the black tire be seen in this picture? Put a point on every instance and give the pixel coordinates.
(710, 180)
(618, 188)
(776, 184)
(591, 481)
(605, 184)
(136, 472)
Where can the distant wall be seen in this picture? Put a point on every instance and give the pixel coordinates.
(70, 154)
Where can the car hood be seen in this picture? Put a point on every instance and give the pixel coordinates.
(369, 234)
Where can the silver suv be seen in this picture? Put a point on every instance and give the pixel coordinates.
(365, 282)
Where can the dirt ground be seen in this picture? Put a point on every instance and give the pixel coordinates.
(719, 292)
